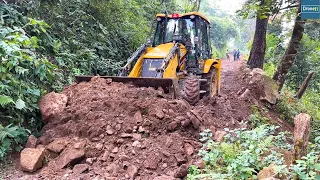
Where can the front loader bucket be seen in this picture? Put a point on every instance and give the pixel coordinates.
(167, 84)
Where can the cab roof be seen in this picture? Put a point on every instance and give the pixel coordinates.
(186, 14)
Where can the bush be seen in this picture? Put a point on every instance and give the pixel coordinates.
(288, 107)
(256, 119)
(245, 152)
(11, 136)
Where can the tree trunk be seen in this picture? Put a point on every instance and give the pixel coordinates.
(199, 2)
(287, 59)
(258, 48)
(304, 85)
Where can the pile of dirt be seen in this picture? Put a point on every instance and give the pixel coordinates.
(108, 130)
(127, 132)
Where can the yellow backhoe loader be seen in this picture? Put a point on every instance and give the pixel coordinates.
(178, 59)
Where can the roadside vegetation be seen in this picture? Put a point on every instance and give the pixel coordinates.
(44, 44)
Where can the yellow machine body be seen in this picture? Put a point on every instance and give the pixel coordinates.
(174, 69)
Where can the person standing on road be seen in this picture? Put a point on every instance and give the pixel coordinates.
(238, 54)
(227, 54)
(234, 54)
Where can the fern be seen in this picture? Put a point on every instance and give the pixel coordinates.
(5, 100)
(11, 135)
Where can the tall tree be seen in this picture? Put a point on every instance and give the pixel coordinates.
(261, 10)
(287, 59)
(257, 52)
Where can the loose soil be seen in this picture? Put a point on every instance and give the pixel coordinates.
(137, 133)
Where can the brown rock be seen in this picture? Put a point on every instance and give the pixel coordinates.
(32, 142)
(164, 177)
(189, 149)
(218, 135)
(31, 159)
(301, 134)
(151, 162)
(246, 94)
(136, 136)
(109, 130)
(241, 90)
(84, 177)
(52, 104)
(267, 172)
(69, 156)
(105, 156)
(181, 158)
(186, 122)
(113, 168)
(80, 168)
(159, 114)
(182, 171)
(80, 145)
(138, 117)
(195, 122)
(180, 118)
(264, 86)
(57, 145)
(132, 171)
(166, 153)
(213, 129)
(141, 129)
(173, 125)
(109, 81)
(89, 161)
(126, 135)
(199, 164)
(196, 114)
(99, 146)
(115, 150)
(136, 144)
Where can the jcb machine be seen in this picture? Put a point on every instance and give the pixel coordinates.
(178, 59)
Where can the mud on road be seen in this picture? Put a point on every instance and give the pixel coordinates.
(127, 132)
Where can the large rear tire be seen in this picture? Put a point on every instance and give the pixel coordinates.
(191, 87)
(211, 86)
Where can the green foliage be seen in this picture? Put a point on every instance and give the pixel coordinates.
(262, 8)
(256, 119)
(308, 59)
(25, 74)
(97, 36)
(245, 152)
(5, 100)
(84, 37)
(223, 30)
(289, 107)
(308, 167)
(11, 135)
(242, 154)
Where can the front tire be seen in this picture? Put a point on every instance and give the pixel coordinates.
(191, 87)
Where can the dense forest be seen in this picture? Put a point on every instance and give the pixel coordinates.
(44, 44)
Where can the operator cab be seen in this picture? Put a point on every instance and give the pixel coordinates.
(190, 29)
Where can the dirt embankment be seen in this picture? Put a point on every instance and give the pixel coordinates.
(111, 130)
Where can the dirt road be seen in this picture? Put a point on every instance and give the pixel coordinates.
(134, 133)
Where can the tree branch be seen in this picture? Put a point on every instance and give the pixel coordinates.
(289, 7)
